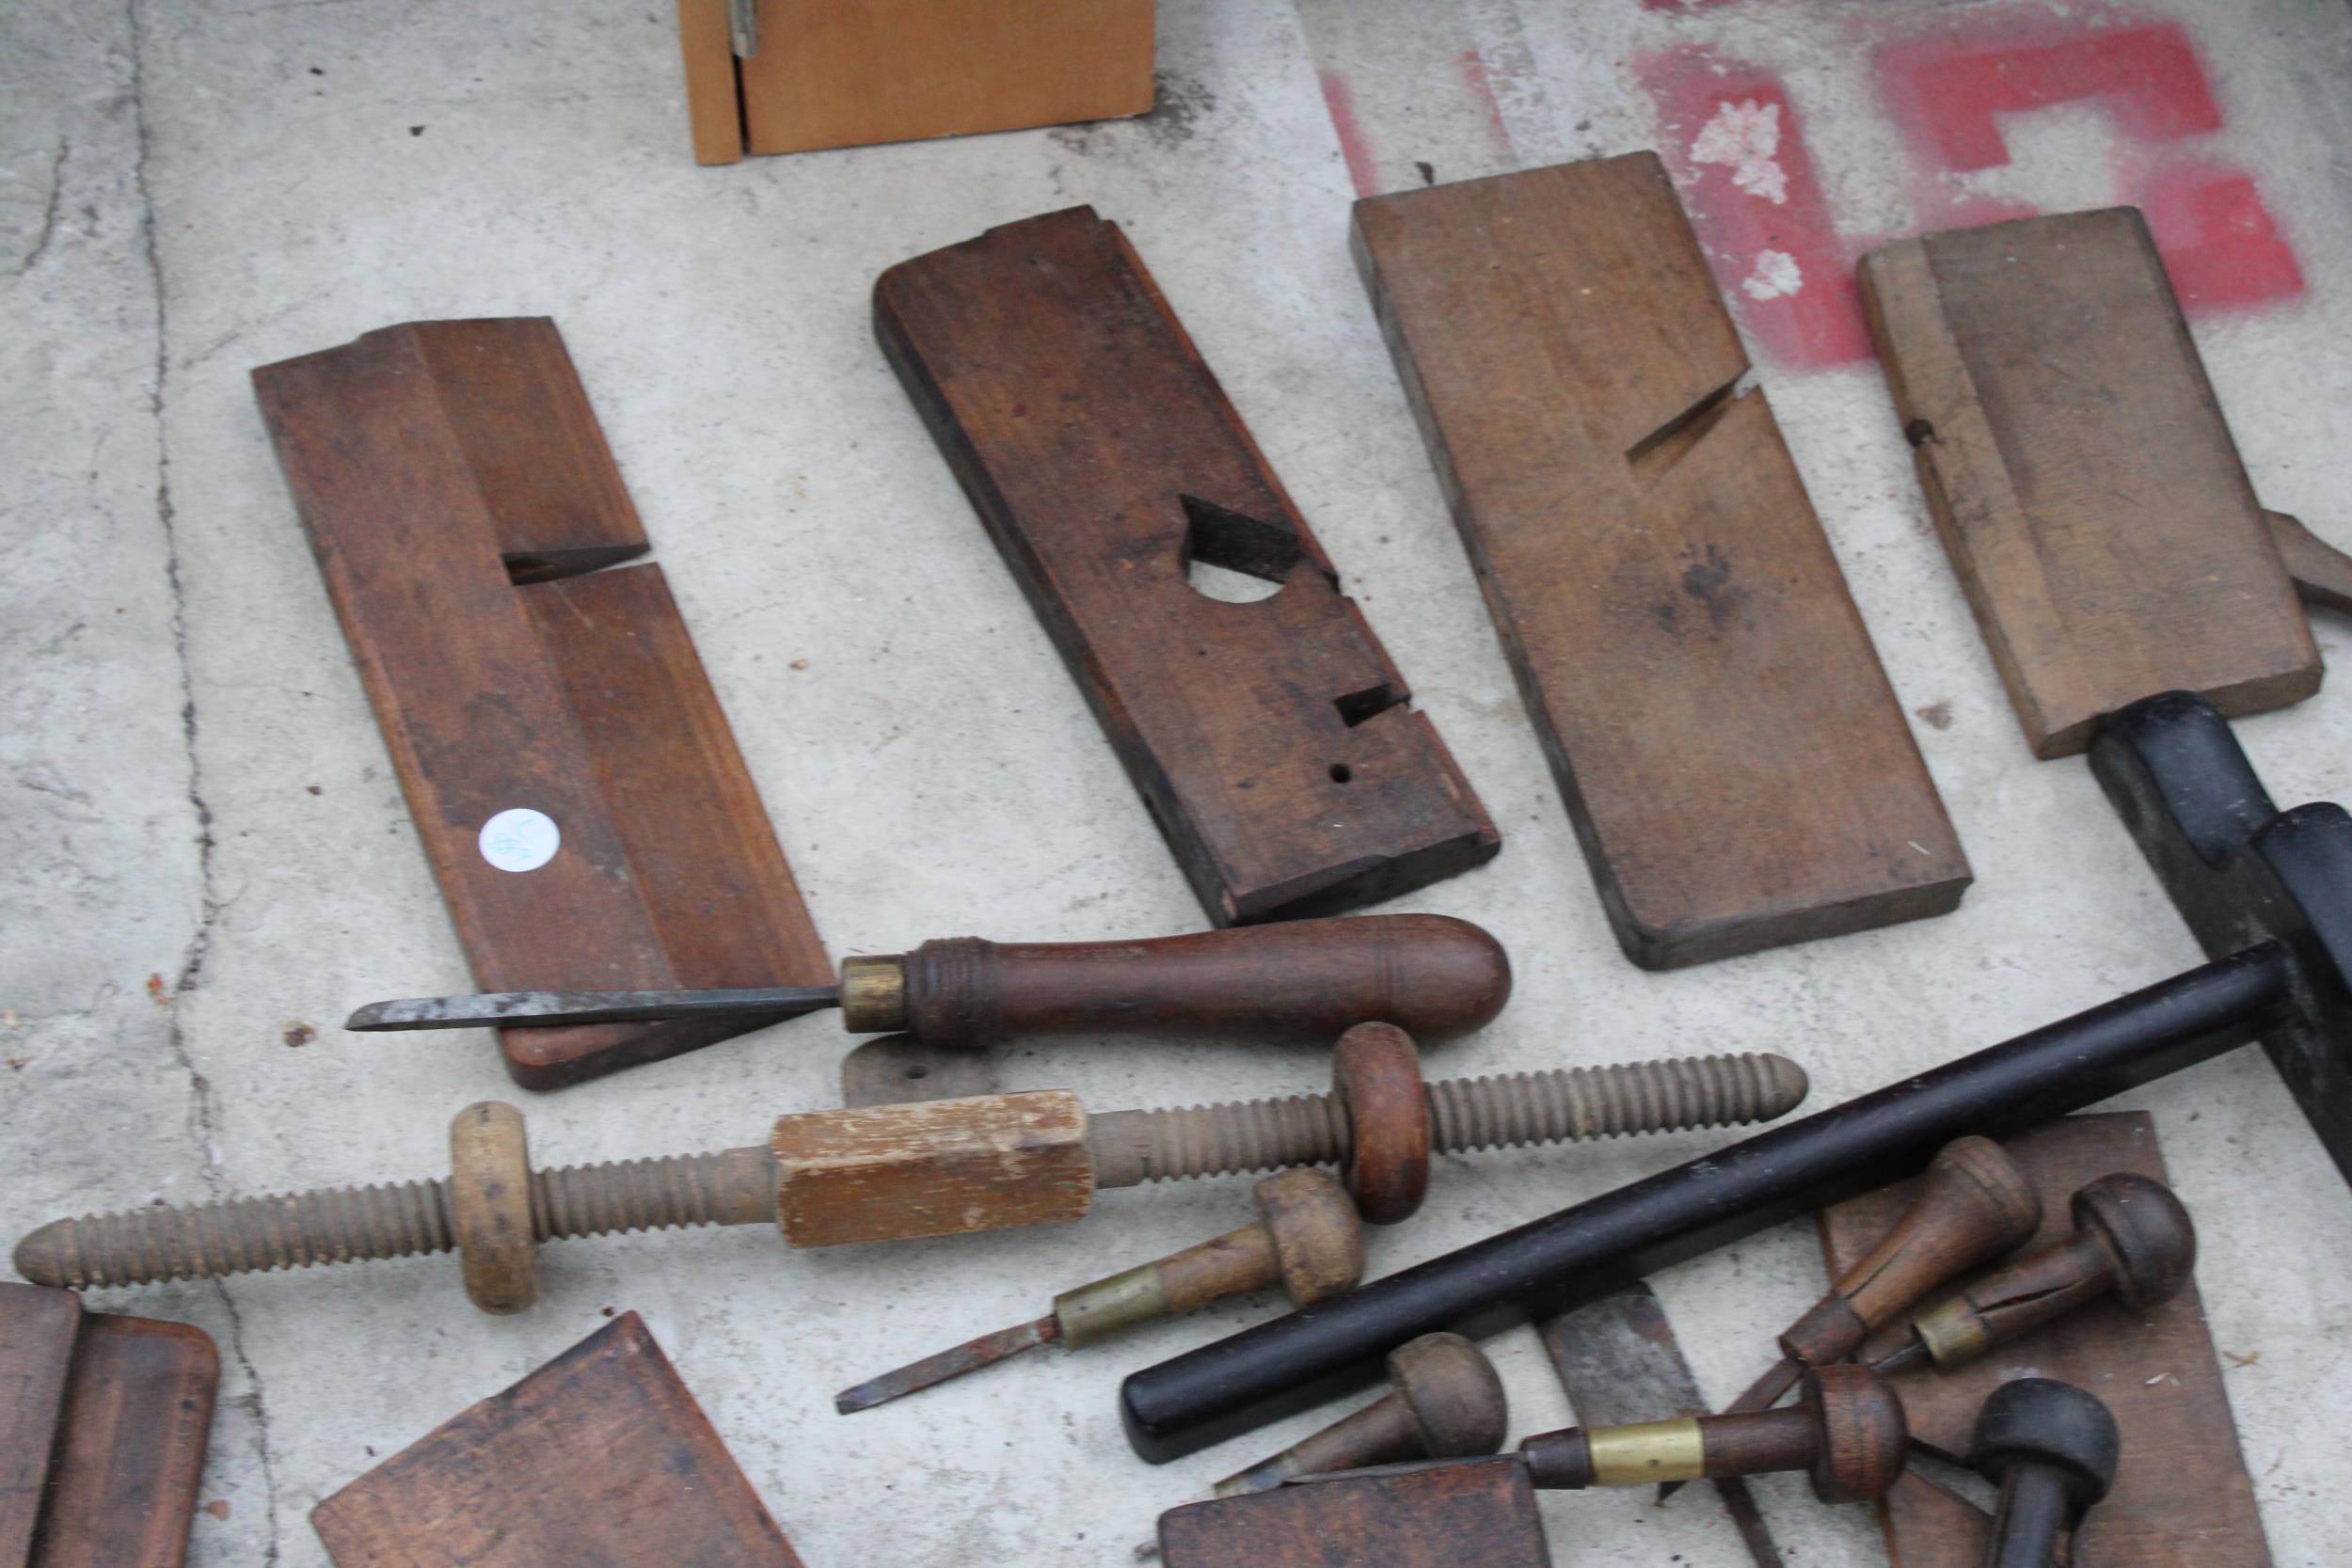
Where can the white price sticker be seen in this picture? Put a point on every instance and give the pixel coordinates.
(520, 839)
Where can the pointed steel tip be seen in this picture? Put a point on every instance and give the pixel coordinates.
(367, 1019)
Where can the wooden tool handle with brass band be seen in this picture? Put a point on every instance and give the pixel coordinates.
(1308, 1241)
(1306, 980)
(1848, 1436)
(2134, 1240)
(1974, 1204)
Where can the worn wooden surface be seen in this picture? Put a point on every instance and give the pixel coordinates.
(2182, 1497)
(714, 105)
(1737, 767)
(38, 1327)
(1480, 1512)
(1271, 739)
(104, 1426)
(438, 465)
(843, 72)
(599, 1457)
(2081, 473)
(130, 1458)
(940, 1167)
(1307, 981)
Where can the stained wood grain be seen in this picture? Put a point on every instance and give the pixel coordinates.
(435, 466)
(2182, 1497)
(842, 73)
(1735, 763)
(714, 104)
(1271, 739)
(137, 1421)
(942, 1167)
(1482, 1513)
(38, 1328)
(601, 1457)
(2081, 474)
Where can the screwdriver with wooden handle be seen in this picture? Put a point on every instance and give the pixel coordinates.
(1974, 1204)
(1307, 980)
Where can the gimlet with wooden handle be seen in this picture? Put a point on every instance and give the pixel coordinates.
(1310, 980)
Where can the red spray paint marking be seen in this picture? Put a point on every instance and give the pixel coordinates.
(1341, 103)
(1947, 92)
(1482, 89)
(1813, 315)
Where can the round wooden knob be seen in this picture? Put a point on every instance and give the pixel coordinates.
(489, 1207)
(2042, 1421)
(1376, 1073)
(1860, 1437)
(1452, 1394)
(2147, 1233)
(1318, 1241)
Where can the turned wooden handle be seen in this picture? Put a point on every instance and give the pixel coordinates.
(1974, 1204)
(1306, 980)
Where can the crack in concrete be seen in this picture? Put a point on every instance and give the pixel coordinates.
(202, 1112)
(48, 212)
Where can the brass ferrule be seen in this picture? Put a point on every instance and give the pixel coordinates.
(1648, 1451)
(1952, 1334)
(1099, 1310)
(874, 993)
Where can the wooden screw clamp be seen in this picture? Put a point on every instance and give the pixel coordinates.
(2133, 1238)
(1447, 1403)
(889, 1172)
(2052, 1449)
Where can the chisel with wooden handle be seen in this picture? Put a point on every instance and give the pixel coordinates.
(1431, 975)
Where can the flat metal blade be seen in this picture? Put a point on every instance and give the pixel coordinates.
(1619, 1359)
(971, 1356)
(546, 1008)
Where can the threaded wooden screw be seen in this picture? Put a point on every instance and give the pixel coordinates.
(738, 1186)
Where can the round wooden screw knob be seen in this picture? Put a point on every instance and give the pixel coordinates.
(2147, 1233)
(1376, 1075)
(1860, 1436)
(1452, 1394)
(1318, 1241)
(489, 1206)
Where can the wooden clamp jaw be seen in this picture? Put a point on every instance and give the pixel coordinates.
(1270, 739)
(460, 498)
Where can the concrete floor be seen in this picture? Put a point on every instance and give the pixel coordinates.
(205, 845)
